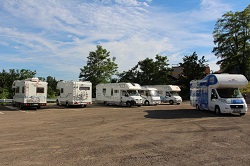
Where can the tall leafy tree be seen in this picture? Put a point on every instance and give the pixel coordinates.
(193, 68)
(148, 72)
(100, 67)
(232, 39)
(52, 91)
(8, 77)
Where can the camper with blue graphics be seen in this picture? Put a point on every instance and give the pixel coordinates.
(219, 93)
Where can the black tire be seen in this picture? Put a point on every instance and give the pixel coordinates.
(198, 107)
(128, 104)
(57, 102)
(83, 106)
(67, 105)
(20, 107)
(171, 102)
(146, 102)
(217, 110)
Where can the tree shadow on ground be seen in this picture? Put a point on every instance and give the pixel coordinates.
(183, 113)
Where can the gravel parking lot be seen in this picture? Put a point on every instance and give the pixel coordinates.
(107, 135)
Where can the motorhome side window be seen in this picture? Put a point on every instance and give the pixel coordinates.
(40, 90)
(112, 92)
(213, 94)
(104, 91)
(168, 94)
(124, 93)
(23, 89)
(17, 89)
(84, 88)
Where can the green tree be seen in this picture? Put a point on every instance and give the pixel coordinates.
(148, 72)
(99, 69)
(7, 78)
(232, 39)
(193, 69)
(52, 91)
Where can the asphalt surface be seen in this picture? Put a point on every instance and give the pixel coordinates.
(106, 135)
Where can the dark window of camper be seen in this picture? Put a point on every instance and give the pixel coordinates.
(104, 91)
(23, 89)
(40, 90)
(61, 90)
(84, 88)
(112, 92)
(17, 89)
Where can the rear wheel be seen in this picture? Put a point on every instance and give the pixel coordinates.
(67, 105)
(198, 107)
(171, 102)
(83, 106)
(57, 102)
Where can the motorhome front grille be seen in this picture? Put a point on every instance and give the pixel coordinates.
(236, 106)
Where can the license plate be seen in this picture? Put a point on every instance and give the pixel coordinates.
(236, 111)
(34, 104)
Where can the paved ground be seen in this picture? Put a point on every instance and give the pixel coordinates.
(110, 136)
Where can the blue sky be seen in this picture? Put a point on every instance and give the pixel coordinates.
(54, 37)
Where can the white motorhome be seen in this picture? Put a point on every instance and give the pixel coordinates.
(168, 93)
(219, 93)
(119, 94)
(30, 92)
(74, 93)
(149, 96)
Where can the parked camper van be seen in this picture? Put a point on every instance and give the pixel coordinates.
(219, 93)
(74, 93)
(149, 96)
(168, 93)
(119, 94)
(30, 92)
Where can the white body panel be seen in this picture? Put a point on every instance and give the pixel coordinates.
(74, 93)
(118, 94)
(168, 93)
(30, 92)
(149, 96)
(219, 92)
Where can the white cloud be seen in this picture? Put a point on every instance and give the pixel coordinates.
(64, 32)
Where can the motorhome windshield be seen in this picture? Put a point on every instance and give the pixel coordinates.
(133, 93)
(175, 94)
(229, 93)
(154, 93)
